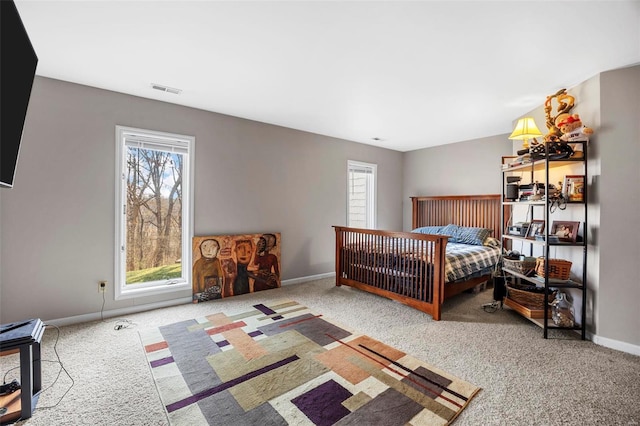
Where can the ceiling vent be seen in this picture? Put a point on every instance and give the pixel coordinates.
(166, 89)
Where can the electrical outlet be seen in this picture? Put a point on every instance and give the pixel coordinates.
(102, 286)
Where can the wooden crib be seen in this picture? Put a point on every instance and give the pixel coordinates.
(410, 267)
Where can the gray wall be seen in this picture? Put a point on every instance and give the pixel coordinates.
(610, 104)
(58, 221)
(619, 194)
(463, 168)
(57, 224)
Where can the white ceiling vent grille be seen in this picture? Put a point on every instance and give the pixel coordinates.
(166, 89)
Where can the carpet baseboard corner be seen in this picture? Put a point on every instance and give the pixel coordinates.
(77, 319)
(95, 316)
(616, 344)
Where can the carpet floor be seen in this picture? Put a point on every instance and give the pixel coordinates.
(281, 364)
(525, 379)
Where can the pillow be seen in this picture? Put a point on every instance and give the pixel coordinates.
(433, 230)
(472, 236)
(450, 230)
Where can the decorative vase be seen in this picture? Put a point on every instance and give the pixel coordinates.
(562, 312)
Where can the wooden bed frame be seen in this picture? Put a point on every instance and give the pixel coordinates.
(368, 259)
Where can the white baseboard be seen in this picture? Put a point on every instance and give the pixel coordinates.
(616, 344)
(149, 306)
(308, 278)
(118, 312)
(598, 340)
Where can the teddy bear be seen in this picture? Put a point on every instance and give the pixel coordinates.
(572, 128)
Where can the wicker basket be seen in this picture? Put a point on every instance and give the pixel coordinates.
(558, 268)
(528, 298)
(521, 266)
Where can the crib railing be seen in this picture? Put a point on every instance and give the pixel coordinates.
(407, 267)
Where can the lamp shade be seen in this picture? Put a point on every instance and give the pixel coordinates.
(525, 129)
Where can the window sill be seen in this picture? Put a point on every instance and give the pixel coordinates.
(130, 293)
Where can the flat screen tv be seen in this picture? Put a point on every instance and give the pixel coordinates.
(18, 63)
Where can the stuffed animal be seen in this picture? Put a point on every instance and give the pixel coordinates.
(572, 128)
(565, 104)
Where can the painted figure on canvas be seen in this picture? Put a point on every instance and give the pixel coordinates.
(228, 265)
(244, 252)
(267, 274)
(208, 278)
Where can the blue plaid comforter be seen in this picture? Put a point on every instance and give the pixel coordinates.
(464, 261)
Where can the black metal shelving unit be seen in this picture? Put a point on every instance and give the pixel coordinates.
(549, 284)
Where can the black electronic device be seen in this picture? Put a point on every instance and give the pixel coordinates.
(518, 229)
(20, 331)
(5, 328)
(527, 192)
(537, 186)
(535, 191)
(512, 191)
(8, 388)
(552, 238)
(512, 188)
(19, 61)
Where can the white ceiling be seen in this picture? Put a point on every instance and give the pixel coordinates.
(414, 74)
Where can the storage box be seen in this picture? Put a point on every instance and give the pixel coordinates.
(530, 299)
(523, 267)
(558, 268)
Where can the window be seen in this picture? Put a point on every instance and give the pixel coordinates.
(154, 216)
(361, 193)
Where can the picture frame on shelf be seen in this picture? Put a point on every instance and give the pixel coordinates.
(536, 227)
(566, 231)
(573, 188)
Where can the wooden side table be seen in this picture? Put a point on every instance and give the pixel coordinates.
(25, 336)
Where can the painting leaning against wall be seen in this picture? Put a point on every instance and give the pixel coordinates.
(228, 265)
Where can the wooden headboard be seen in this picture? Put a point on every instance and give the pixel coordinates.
(464, 210)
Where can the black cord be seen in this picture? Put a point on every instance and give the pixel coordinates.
(559, 202)
(102, 308)
(123, 323)
(120, 323)
(62, 368)
(4, 379)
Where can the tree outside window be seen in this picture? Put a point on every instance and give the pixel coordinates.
(154, 248)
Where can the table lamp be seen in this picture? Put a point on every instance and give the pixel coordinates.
(525, 130)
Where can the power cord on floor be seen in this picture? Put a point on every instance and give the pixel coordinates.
(492, 307)
(123, 323)
(62, 368)
(120, 323)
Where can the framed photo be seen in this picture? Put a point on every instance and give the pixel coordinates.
(565, 231)
(535, 228)
(573, 188)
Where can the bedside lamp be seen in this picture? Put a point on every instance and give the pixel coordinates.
(525, 130)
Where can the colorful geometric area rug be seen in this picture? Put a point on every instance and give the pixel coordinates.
(281, 364)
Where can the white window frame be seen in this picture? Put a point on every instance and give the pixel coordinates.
(371, 209)
(154, 140)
